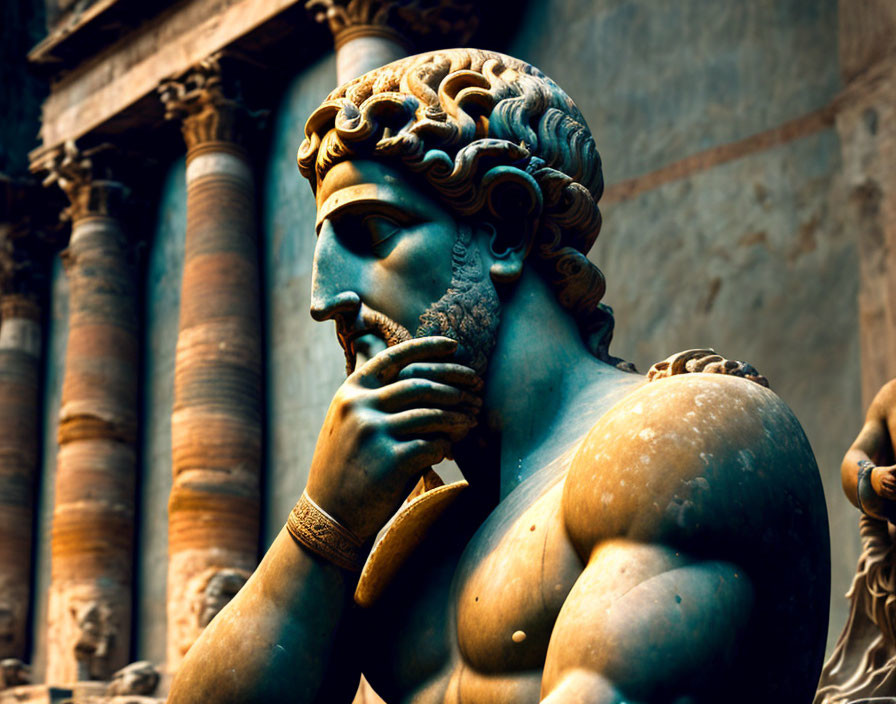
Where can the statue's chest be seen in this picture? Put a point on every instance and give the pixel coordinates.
(476, 626)
(511, 582)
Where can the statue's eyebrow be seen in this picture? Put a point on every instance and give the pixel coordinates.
(366, 197)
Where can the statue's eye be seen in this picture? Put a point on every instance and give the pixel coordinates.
(380, 228)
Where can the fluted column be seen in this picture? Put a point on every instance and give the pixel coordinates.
(20, 350)
(368, 34)
(89, 613)
(213, 512)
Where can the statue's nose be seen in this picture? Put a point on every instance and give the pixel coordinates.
(331, 292)
(325, 307)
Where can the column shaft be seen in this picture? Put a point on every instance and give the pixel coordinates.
(20, 349)
(216, 423)
(93, 518)
(357, 53)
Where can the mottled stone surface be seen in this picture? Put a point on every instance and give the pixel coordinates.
(162, 304)
(868, 138)
(658, 81)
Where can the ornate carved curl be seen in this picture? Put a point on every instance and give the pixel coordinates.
(706, 361)
(496, 139)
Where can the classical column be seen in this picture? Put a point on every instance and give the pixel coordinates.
(20, 352)
(213, 512)
(370, 33)
(89, 613)
(866, 123)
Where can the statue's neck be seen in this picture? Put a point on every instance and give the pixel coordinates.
(544, 389)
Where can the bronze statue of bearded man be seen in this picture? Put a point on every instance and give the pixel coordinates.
(616, 540)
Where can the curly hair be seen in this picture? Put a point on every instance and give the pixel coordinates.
(496, 140)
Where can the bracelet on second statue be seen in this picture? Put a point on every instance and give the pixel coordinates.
(863, 485)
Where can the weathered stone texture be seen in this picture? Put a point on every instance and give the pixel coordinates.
(660, 81)
(866, 124)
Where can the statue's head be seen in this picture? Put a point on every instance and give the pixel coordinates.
(449, 148)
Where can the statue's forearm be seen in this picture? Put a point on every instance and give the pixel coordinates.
(279, 639)
(849, 471)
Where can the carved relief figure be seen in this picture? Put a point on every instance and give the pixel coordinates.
(615, 540)
(209, 592)
(864, 661)
(95, 639)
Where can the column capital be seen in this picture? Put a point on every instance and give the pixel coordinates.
(86, 178)
(209, 108)
(415, 24)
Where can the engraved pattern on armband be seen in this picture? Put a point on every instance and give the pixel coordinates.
(318, 531)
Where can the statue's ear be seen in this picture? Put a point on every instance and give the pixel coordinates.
(514, 205)
(506, 254)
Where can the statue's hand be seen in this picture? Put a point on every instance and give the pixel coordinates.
(883, 481)
(392, 418)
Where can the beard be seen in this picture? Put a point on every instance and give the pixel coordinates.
(469, 312)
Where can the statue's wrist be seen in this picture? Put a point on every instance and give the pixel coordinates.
(870, 502)
(315, 529)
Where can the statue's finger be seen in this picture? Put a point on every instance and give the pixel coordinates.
(385, 366)
(444, 372)
(423, 421)
(423, 452)
(408, 393)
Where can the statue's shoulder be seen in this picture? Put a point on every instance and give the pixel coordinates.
(688, 453)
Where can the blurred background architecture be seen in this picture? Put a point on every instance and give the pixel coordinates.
(161, 381)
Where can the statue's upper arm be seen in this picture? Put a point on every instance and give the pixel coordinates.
(656, 502)
(644, 619)
(874, 438)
